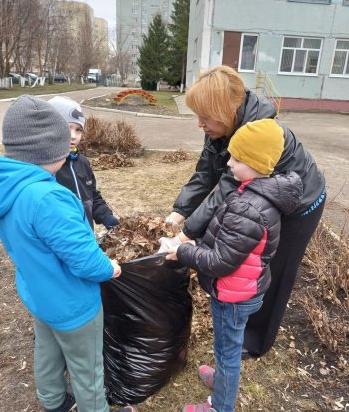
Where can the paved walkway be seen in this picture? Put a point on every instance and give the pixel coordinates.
(182, 107)
(325, 135)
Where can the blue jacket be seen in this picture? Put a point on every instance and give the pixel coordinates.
(44, 230)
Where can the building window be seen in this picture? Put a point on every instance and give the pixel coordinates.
(248, 52)
(312, 1)
(340, 64)
(345, 2)
(300, 55)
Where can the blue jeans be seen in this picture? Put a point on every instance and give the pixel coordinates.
(229, 322)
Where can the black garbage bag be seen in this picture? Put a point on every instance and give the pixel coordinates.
(147, 321)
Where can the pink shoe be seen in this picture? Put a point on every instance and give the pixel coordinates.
(201, 407)
(206, 374)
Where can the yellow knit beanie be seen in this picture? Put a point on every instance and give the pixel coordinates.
(258, 144)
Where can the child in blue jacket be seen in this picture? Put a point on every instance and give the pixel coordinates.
(59, 265)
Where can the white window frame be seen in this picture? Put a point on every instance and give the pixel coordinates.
(346, 60)
(240, 52)
(311, 1)
(294, 55)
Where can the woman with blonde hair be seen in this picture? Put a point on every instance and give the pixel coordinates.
(223, 104)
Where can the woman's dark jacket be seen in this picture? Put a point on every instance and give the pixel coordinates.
(212, 171)
(233, 257)
(77, 175)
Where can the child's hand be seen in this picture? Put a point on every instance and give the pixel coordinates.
(168, 243)
(117, 269)
(172, 254)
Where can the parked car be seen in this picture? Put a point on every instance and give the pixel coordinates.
(16, 78)
(31, 77)
(60, 78)
(94, 75)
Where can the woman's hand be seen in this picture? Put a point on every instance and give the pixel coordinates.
(117, 269)
(175, 220)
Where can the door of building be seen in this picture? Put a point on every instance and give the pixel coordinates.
(231, 49)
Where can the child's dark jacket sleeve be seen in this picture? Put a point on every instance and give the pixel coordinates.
(100, 210)
(240, 232)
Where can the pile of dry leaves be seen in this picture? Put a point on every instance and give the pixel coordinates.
(136, 236)
(176, 157)
(111, 161)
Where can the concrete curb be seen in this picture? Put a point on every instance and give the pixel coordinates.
(136, 114)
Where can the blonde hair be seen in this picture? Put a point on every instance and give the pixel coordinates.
(217, 94)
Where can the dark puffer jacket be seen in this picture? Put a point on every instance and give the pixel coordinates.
(77, 175)
(214, 180)
(233, 257)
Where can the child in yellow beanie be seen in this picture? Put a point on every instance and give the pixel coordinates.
(232, 259)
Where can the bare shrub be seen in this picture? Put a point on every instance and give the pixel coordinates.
(326, 299)
(102, 136)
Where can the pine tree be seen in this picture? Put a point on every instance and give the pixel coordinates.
(153, 54)
(177, 57)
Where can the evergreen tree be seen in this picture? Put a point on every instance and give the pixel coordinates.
(177, 57)
(153, 54)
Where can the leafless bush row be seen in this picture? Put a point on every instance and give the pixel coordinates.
(104, 137)
(49, 36)
(326, 299)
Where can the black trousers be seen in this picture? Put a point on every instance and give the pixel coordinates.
(262, 327)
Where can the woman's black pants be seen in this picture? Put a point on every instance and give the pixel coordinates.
(262, 327)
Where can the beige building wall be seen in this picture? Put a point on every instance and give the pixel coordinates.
(100, 37)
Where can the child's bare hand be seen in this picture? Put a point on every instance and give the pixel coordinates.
(117, 269)
(172, 254)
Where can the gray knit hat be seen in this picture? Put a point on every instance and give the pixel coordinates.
(69, 109)
(34, 132)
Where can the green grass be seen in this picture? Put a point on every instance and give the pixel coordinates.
(166, 99)
(47, 89)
